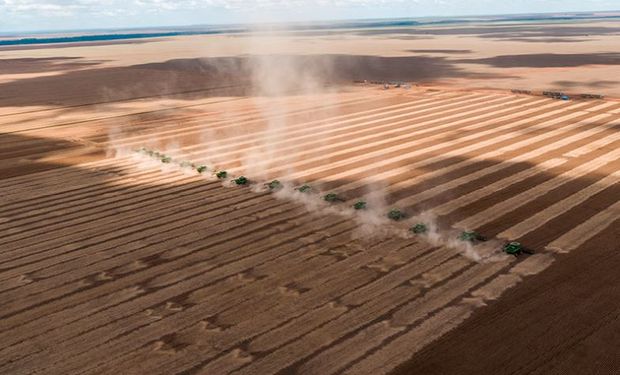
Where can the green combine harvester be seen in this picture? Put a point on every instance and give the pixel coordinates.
(201, 169)
(333, 198)
(166, 159)
(241, 180)
(396, 214)
(304, 189)
(187, 164)
(471, 236)
(274, 185)
(515, 248)
(419, 228)
(360, 205)
(221, 174)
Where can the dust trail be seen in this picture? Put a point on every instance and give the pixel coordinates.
(486, 251)
(276, 83)
(372, 216)
(371, 220)
(277, 76)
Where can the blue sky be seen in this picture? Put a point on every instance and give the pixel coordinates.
(21, 15)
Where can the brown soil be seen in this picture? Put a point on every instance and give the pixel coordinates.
(113, 262)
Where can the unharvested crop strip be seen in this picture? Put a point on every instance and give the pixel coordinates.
(191, 130)
(390, 172)
(481, 193)
(583, 232)
(16, 129)
(294, 132)
(468, 198)
(381, 153)
(328, 126)
(392, 131)
(427, 194)
(593, 146)
(541, 217)
(494, 212)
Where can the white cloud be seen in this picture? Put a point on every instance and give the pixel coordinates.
(67, 7)
(63, 14)
(16, 6)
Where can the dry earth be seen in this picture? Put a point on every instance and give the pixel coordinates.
(126, 263)
(113, 262)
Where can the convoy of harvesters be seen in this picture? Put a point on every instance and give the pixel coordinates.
(394, 214)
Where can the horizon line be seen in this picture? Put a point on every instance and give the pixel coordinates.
(316, 21)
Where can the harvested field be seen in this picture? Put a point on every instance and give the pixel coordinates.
(114, 262)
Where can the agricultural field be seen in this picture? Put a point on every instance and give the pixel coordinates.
(333, 243)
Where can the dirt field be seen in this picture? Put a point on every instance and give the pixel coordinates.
(115, 262)
(126, 263)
